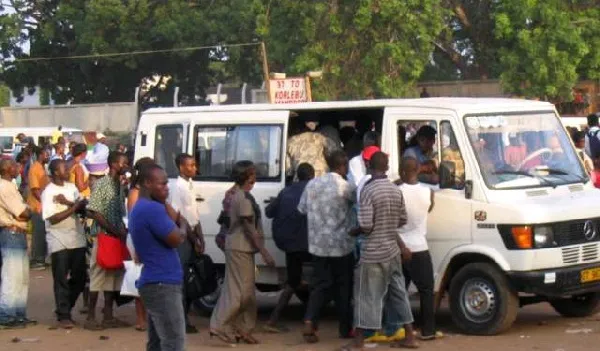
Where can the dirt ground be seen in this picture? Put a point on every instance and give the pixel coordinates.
(538, 328)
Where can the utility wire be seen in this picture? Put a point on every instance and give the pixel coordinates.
(132, 53)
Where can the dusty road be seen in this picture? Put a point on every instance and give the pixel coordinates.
(537, 328)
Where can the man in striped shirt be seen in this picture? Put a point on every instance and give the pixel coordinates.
(381, 213)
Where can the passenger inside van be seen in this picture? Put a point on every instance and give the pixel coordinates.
(421, 148)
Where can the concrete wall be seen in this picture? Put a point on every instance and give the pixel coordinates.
(117, 117)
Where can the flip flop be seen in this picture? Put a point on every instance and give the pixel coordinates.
(436, 336)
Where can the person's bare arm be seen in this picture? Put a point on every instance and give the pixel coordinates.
(61, 216)
(432, 201)
(24, 216)
(174, 239)
(37, 193)
(107, 226)
(132, 198)
(80, 181)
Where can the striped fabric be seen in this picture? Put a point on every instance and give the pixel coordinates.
(381, 212)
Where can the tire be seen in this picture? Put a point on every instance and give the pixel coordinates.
(578, 306)
(482, 301)
(206, 304)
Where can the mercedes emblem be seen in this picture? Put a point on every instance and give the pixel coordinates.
(589, 230)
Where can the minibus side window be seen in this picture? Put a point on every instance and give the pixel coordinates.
(408, 146)
(218, 148)
(451, 154)
(168, 144)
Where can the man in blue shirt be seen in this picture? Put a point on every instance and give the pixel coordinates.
(156, 238)
(291, 236)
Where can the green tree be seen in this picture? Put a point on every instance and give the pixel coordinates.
(544, 46)
(366, 48)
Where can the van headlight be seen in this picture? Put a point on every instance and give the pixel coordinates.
(543, 236)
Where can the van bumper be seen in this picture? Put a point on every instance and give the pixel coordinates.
(558, 282)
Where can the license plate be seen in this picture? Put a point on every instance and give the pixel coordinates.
(590, 275)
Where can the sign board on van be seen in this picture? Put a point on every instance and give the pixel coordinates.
(289, 90)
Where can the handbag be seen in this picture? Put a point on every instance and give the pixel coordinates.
(200, 277)
(111, 252)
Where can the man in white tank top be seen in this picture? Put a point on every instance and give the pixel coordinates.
(419, 200)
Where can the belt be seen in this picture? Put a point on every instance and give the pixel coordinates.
(16, 229)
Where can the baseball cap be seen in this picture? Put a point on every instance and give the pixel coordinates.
(369, 151)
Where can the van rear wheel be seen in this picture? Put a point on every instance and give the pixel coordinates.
(578, 306)
(482, 300)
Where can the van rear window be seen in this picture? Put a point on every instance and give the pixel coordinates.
(218, 148)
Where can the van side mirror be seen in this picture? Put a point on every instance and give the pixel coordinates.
(468, 189)
(447, 173)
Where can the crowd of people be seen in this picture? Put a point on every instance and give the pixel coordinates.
(363, 234)
(587, 143)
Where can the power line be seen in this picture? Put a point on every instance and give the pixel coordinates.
(132, 53)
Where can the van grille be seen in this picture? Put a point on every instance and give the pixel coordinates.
(572, 232)
(580, 254)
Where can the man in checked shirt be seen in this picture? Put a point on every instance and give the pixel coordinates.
(381, 212)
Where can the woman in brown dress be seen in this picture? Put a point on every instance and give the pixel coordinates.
(236, 309)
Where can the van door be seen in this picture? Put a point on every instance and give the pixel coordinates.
(220, 139)
(449, 223)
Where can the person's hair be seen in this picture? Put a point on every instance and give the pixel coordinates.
(114, 156)
(53, 166)
(137, 169)
(379, 162)
(305, 172)
(592, 119)
(59, 128)
(337, 159)
(241, 172)
(21, 136)
(145, 173)
(38, 151)
(371, 138)
(5, 166)
(181, 158)
(347, 133)
(425, 132)
(21, 156)
(79, 149)
(58, 145)
(578, 136)
(410, 165)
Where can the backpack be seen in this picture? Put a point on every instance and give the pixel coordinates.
(594, 143)
(200, 277)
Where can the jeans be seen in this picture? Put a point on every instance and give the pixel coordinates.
(332, 274)
(15, 276)
(39, 247)
(418, 270)
(376, 283)
(69, 272)
(166, 324)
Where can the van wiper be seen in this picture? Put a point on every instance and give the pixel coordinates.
(527, 174)
(556, 171)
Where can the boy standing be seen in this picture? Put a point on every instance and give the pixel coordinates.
(66, 241)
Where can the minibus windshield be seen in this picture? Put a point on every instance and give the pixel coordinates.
(523, 150)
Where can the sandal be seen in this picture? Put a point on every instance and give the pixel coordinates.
(92, 325)
(246, 338)
(140, 328)
(221, 336)
(436, 336)
(114, 323)
(310, 334)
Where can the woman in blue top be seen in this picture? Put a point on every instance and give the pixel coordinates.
(421, 148)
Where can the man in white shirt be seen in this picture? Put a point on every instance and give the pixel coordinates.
(357, 165)
(419, 200)
(66, 241)
(182, 198)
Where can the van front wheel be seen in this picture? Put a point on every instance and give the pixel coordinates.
(578, 306)
(482, 300)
